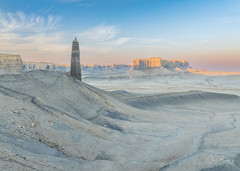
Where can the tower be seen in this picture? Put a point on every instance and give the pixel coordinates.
(75, 61)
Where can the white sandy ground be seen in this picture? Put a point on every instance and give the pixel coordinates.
(50, 121)
(153, 82)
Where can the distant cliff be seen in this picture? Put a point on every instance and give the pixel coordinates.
(157, 62)
(10, 64)
(106, 67)
(138, 64)
(28, 66)
(38, 65)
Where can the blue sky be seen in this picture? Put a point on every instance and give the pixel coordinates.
(204, 32)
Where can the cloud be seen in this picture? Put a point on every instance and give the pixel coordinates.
(36, 42)
(80, 3)
(20, 22)
(103, 50)
(71, 1)
(151, 41)
(100, 33)
(37, 47)
(36, 38)
(102, 36)
(84, 4)
(122, 41)
(31, 36)
(157, 41)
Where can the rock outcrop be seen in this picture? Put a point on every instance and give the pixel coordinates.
(75, 70)
(29, 66)
(138, 64)
(38, 66)
(157, 62)
(10, 64)
(106, 67)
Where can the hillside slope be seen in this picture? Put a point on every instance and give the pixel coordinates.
(50, 121)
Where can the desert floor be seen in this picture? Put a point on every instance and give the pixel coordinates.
(50, 121)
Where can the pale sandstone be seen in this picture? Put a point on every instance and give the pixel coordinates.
(10, 64)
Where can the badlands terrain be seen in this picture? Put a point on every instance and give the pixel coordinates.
(155, 115)
(124, 121)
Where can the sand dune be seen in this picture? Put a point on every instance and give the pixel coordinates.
(50, 121)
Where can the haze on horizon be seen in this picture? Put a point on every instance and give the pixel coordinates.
(206, 33)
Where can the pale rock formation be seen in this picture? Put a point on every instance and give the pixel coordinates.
(120, 66)
(94, 67)
(75, 61)
(157, 62)
(10, 64)
(38, 66)
(29, 66)
(62, 67)
(106, 67)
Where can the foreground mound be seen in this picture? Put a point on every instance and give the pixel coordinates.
(50, 121)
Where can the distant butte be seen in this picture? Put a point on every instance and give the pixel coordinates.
(157, 62)
(10, 64)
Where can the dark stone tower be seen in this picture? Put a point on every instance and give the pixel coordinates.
(75, 61)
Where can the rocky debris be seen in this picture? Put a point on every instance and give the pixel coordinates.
(15, 111)
(10, 64)
(21, 126)
(33, 124)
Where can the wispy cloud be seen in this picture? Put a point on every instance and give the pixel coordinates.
(31, 36)
(102, 36)
(122, 41)
(20, 22)
(80, 3)
(104, 50)
(86, 4)
(70, 1)
(36, 47)
(151, 41)
(37, 37)
(156, 41)
(100, 33)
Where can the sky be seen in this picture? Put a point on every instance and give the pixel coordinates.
(204, 32)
